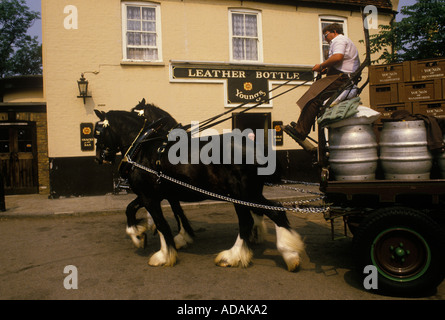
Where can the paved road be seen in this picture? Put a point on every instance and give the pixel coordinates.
(35, 251)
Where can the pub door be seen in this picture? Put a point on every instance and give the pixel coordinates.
(18, 157)
(253, 121)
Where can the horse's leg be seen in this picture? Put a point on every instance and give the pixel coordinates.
(167, 255)
(186, 234)
(259, 229)
(136, 227)
(289, 242)
(239, 254)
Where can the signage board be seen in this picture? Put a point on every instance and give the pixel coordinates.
(87, 136)
(245, 84)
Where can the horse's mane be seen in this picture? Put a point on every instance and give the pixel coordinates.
(152, 112)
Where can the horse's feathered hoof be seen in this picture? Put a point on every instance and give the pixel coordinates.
(238, 255)
(137, 235)
(182, 239)
(163, 259)
(226, 259)
(292, 261)
(290, 245)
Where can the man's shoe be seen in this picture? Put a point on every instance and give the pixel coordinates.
(305, 144)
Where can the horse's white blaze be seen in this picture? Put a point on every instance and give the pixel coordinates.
(164, 257)
(259, 229)
(290, 245)
(239, 254)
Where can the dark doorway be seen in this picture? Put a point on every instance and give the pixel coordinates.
(253, 121)
(18, 157)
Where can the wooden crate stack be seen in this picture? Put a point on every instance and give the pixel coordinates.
(416, 86)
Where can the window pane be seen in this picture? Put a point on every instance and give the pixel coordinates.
(149, 39)
(238, 49)
(24, 140)
(251, 49)
(134, 38)
(148, 26)
(134, 13)
(149, 14)
(142, 54)
(251, 26)
(133, 25)
(238, 24)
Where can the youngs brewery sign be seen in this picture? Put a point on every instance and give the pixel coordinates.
(243, 83)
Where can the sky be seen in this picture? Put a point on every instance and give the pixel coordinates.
(36, 29)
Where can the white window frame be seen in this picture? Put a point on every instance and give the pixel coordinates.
(158, 45)
(330, 19)
(259, 35)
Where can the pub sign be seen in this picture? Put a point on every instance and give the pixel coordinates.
(244, 84)
(86, 137)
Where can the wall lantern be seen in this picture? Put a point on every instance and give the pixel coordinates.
(83, 88)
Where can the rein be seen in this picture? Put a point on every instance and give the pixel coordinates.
(210, 122)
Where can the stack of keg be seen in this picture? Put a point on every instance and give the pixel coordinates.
(415, 86)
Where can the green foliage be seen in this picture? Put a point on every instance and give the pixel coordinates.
(20, 54)
(420, 35)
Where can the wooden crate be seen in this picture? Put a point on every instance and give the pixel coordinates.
(389, 109)
(389, 73)
(384, 94)
(428, 69)
(421, 90)
(430, 108)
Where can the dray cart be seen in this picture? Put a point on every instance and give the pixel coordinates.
(397, 225)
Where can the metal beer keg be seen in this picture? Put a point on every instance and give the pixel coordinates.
(404, 152)
(353, 152)
(441, 162)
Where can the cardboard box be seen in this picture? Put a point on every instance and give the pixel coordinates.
(430, 108)
(383, 94)
(421, 90)
(389, 73)
(428, 69)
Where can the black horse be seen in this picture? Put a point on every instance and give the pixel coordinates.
(136, 228)
(118, 131)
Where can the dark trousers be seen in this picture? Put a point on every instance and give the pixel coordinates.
(310, 111)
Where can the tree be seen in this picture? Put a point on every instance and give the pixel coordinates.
(20, 54)
(420, 35)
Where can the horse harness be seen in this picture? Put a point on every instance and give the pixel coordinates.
(146, 134)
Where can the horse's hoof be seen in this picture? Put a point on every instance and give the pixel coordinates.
(182, 240)
(292, 262)
(228, 258)
(221, 261)
(137, 235)
(162, 258)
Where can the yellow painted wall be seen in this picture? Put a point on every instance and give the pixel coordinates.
(192, 30)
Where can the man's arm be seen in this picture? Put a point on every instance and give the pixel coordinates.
(332, 61)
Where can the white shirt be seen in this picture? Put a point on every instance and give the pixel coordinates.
(343, 45)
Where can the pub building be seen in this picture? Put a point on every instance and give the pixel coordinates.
(192, 58)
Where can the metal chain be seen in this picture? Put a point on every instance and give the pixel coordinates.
(320, 209)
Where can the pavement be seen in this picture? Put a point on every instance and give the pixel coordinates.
(34, 205)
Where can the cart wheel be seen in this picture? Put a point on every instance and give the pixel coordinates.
(406, 247)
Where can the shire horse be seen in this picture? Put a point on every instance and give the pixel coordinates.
(119, 130)
(136, 228)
